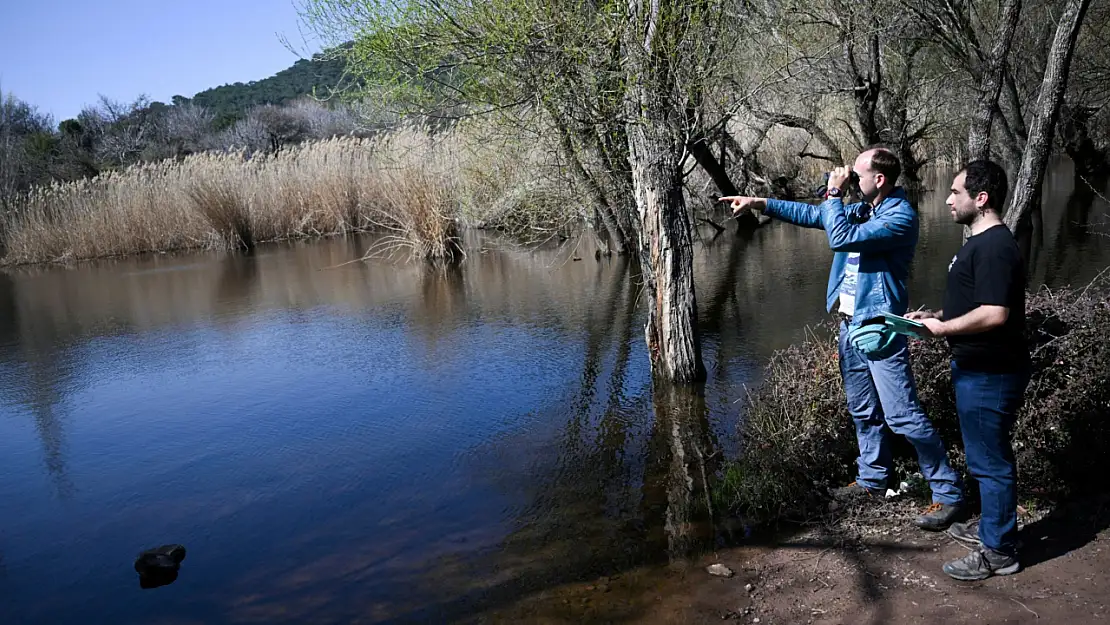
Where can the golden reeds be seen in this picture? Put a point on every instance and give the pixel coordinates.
(407, 184)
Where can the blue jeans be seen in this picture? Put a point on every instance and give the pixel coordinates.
(988, 404)
(883, 392)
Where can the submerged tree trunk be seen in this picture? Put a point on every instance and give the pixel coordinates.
(705, 158)
(656, 144)
(1030, 178)
(666, 253)
(990, 83)
(1089, 160)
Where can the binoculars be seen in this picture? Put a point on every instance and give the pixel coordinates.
(822, 191)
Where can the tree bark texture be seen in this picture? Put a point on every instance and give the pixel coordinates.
(895, 120)
(1008, 146)
(868, 87)
(1013, 106)
(991, 81)
(656, 145)
(1030, 178)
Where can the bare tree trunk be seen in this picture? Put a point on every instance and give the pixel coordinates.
(613, 237)
(705, 158)
(1011, 151)
(868, 86)
(990, 84)
(1075, 132)
(656, 145)
(666, 251)
(896, 116)
(832, 151)
(1027, 186)
(1017, 114)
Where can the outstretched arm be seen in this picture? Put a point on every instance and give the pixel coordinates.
(883, 231)
(797, 213)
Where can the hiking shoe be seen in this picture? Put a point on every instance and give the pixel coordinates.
(981, 564)
(966, 533)
(938, 516)
(856, 492)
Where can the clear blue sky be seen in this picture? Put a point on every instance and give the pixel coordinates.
(60, 54)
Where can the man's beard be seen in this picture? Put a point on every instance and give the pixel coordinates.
(966, 219)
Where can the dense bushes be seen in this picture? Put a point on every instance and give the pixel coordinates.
(798, 437)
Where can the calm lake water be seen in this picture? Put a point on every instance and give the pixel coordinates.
(378, 442)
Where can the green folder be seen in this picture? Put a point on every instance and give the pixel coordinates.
(908, 327)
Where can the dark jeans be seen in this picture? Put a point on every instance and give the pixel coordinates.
(987, 404)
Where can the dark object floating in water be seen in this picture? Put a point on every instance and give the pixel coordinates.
(159, 566)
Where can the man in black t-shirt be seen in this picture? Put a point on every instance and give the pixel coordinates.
(984, 322)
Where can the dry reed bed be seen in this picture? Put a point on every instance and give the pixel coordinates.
(405, 183)
(415, 187)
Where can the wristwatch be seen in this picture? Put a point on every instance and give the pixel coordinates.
(833, 192)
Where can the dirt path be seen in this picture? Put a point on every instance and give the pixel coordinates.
(877, 571)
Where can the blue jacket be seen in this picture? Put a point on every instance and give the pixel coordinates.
(885, 240)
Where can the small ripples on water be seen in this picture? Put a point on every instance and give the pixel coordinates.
(378, 441)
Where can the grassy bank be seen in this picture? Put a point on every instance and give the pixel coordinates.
(414, 186)
(799, 441)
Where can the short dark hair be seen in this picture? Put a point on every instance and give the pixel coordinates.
(985, 175)
(885, 161)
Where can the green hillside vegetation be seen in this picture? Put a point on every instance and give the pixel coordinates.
(321, 75)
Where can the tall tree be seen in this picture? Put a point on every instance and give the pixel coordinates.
(1030, 177)
(621, 83)
(656, 35)
(990, 84)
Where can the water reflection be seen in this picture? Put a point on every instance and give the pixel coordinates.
(237, 278)
(40, 382)
(620, 483)
(684, 457)
(1073, 230)
(424, 444)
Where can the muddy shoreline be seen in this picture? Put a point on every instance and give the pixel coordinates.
(871, 568)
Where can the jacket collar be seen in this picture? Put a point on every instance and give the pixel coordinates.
(863, 210)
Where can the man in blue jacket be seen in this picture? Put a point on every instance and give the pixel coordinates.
(873, 243)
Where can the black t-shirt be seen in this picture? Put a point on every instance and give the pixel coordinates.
(989, 270)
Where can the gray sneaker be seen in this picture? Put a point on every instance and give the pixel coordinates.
(981, 564)
(939, 516)
(968, 534)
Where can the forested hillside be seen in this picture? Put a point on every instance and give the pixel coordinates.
(229, 103)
